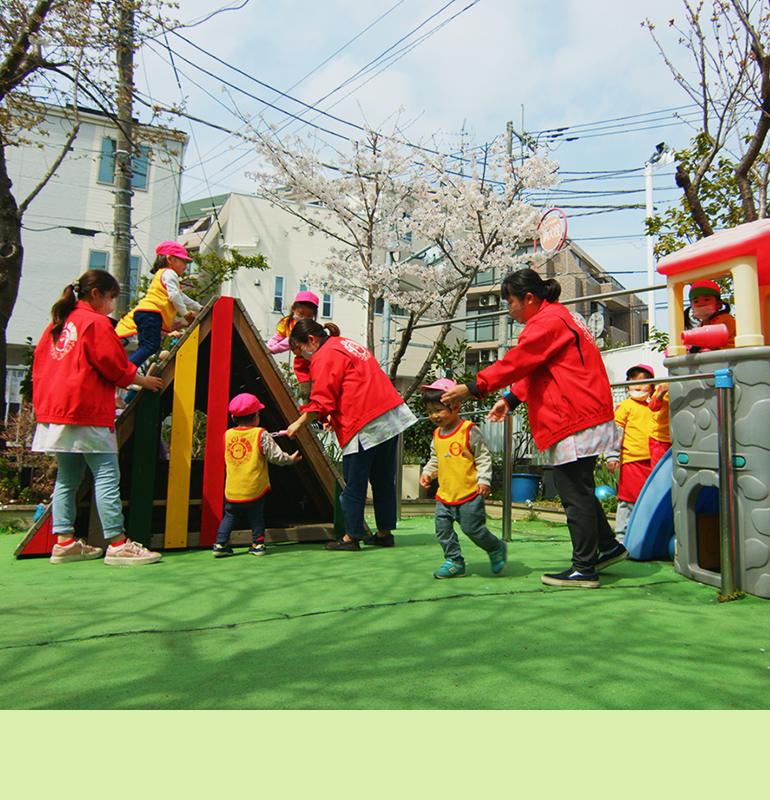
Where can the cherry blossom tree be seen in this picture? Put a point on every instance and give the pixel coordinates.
(407, 225)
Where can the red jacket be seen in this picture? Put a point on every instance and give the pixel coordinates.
(349, 387)
(74, 379)
(558, 370)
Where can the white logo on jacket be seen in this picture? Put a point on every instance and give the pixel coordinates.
(356, 349)
(66, 341)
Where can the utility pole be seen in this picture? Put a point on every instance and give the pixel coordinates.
(121, 248)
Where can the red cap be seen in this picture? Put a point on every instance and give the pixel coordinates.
(445, 384)
(646, 367)
(172, 249)
(307, 297)
(701, 288)
(244, 405)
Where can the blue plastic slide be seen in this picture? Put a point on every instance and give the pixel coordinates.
(651, 526)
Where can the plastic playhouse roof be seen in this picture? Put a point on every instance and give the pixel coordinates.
(751, 239)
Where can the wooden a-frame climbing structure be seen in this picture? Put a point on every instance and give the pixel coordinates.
(177, 502)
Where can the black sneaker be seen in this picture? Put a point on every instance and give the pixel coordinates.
(380, 541)
(222, 550)
(342, 544)
(571, 578)
(614, 556)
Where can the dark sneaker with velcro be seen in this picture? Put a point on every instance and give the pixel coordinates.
(571, 578)
(614, 556)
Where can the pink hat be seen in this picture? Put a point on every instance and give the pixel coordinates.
(172, 249)
(646, 367)
(445, 384)
(244, 405)
(307, 297)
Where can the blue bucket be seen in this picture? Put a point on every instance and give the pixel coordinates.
(524, 487)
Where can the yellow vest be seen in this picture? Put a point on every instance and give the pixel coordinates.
(247, 477)
(456, 466)
(156, 299)
(636, 420)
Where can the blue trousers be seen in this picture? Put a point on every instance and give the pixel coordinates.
(148, 328)
(471, 516)
(253, 510)
(377, 466)
(71, 469)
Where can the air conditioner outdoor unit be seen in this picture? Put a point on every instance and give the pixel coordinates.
(484, 355)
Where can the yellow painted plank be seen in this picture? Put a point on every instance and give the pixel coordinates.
(180, 451)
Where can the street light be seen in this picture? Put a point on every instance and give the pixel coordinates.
(663, 155)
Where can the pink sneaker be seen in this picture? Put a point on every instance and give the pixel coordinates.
(75, 551)
(130, 554)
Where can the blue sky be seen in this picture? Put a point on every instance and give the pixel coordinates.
(568, 63)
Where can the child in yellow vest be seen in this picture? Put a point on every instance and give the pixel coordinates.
(634, 416)
(461, 459)
(156, 311)
(248, 448)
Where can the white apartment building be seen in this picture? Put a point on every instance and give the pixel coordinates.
(68, 227)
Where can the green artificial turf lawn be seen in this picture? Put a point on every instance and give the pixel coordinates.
(304, 628)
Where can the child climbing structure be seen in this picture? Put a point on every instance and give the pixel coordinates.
(744, 253)
(177, 502)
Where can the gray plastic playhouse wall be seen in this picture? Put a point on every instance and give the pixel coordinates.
(695, 437)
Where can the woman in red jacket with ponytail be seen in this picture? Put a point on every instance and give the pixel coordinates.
(78, 363)
(352, 393)
(556, 368)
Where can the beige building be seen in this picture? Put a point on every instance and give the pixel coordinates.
(614, 321)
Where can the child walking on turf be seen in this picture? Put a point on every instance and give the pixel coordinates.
(77, 365)
(461, 459)
(248, 448)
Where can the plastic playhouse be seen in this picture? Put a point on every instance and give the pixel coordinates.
(694, 463)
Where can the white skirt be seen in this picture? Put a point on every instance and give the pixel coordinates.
(54, 438)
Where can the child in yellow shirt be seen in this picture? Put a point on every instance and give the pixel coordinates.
(633, 415)
(461, 459)
(248, 448)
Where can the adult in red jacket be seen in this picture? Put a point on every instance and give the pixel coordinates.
(78, 363)
(558, 371)
(352, 393)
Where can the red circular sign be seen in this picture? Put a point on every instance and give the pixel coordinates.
(552, 230)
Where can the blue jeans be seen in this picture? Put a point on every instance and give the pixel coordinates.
(377, 466)
(472, 518)
(148, 329)
(234, 512)
(72, 468)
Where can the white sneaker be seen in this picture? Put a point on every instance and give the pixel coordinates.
(75, 551)
(130, 554)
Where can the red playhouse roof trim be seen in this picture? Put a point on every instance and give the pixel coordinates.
(750, 239)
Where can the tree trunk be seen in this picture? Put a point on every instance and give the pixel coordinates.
(11, 254)
(696, 209)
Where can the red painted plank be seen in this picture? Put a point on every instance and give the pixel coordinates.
(216, 423)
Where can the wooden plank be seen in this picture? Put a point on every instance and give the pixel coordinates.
(144, 461)
(180, 451)
(220, 362)
(299, 533)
